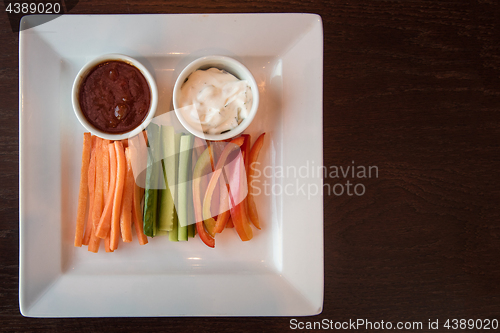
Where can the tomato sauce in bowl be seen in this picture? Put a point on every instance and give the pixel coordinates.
(115, 97)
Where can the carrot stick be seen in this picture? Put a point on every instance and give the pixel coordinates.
(105, 170)
(137, 215)
(128, 196)
(117, 200)
(107, 247)
(94, 242)
(99, 188)
(138, 155)
(91, 181)
(83, 193)
(105, 222)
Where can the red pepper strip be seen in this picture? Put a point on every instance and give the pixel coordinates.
(215, 152)
(238, 214)
(202, 166)
(207, 201)
(254, 154)
(223, 209)
(245, 149)
(229, 223)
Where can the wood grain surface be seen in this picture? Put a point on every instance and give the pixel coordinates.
(412, 87)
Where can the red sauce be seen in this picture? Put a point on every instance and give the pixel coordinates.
(115, 97)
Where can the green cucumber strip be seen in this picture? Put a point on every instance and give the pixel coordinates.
(191, 230)
(152, 176)
(182, 186)
(161, 232)
(173, 234)
(166, 219)
(190, 205)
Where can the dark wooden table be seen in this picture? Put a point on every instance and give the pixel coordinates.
(412, 87)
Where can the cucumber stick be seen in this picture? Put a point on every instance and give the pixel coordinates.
(173, 234)
(152, 176)
(167, 205)
(182, 187)
(190, 206)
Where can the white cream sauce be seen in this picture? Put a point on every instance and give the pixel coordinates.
(215, 99)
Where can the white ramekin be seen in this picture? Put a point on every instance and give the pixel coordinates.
(231, 66)
(80, 78)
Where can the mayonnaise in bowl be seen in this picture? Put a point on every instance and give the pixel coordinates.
(216, 99)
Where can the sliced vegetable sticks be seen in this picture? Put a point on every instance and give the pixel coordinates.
(210, 222)
(107, 247)
(254, 154)
(202, 165)
(117, 200)
(224, 213)
(105, 169)
(166, 199)
(104, 225)
(99, 188)
(137, 215)
(182, 186)
(94, 242)
(83, 192)
(238, 214)
(128, 196)
(91, 183)
(173, 235)
(201, 201)
(151, 184)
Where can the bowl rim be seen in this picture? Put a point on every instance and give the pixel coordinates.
(82, 74)
(204, 62)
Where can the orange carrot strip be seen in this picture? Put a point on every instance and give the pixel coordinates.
(99, 188)
(91, 181)
(137, 215)
(83, 192)
(128, 196)
(124, 143)
(94, 242)
(136, 154)
(117, 200)
(107, 247)
(105, 222)
(105, 170)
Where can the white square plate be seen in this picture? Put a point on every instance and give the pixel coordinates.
(278, 273)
